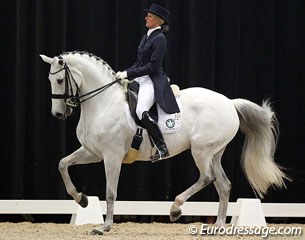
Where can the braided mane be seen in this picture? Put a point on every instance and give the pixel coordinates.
(93, 58)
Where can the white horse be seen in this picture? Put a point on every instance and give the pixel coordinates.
(210, 122)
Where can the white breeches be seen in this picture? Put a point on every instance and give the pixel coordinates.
(146, 95)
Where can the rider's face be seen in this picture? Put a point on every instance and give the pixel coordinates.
(152, 21)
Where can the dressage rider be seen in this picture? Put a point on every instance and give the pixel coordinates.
(153, 82)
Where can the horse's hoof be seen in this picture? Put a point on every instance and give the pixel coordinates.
(96, 232)
(83, 201)
(175, 215)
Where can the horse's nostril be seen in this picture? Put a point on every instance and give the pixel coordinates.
(59, 115)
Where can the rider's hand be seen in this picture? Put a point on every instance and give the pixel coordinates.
(121, 75)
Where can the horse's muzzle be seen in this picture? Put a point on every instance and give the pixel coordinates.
(63, 115)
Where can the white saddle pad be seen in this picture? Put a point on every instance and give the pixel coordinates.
(168, 123)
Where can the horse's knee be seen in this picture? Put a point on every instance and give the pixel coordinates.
(212, 179)
(206, 179)
(62, 165)
(227, 187)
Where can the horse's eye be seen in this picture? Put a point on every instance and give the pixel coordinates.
(59, 81)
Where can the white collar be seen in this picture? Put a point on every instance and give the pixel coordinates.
(152, 29)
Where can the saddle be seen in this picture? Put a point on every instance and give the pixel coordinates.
(132, 99)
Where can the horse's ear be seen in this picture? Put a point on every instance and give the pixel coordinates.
(46, 59)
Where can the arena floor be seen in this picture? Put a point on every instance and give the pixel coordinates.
(124, 231)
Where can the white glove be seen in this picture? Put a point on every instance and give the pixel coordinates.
(121, 75)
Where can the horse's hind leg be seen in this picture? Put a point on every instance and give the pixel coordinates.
(203, 161)
(223, 187)
(80, 156)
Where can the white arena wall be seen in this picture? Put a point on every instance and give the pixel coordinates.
(251, 209)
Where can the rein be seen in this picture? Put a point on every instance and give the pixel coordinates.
(74, 100)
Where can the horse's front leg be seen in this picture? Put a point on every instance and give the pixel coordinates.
(80, 156)
(112, 171)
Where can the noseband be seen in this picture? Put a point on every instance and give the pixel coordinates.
(71, 99)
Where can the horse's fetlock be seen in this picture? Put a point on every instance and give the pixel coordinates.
(71, 192)
(111, 197)
(179, 201)
(107, 227)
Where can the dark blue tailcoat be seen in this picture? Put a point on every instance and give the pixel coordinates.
(151, 52)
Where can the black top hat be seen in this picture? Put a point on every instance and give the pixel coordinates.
(159, 11)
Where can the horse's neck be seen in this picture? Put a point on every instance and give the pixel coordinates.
(96, 75)
(103, 102)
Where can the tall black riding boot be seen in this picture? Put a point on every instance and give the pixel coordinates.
(155, 132)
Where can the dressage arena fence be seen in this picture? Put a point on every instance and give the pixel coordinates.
(244, 212)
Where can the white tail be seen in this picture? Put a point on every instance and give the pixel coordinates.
(261, 129)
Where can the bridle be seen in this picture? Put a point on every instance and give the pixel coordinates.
(73, 99)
